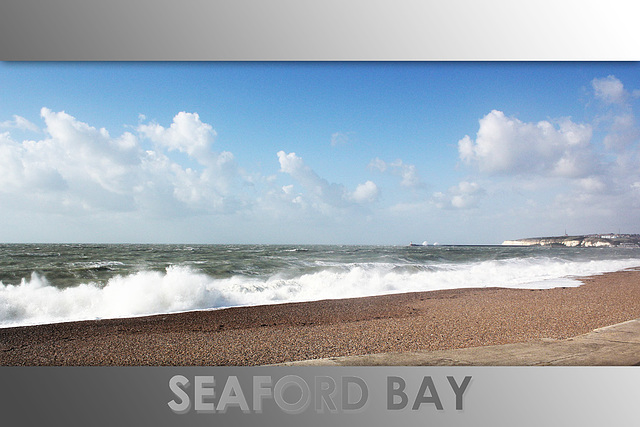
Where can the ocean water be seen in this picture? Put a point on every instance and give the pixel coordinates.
(58, 282)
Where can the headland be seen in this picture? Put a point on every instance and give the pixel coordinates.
(587, 240)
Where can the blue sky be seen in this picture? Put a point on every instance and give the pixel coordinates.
(304, 152)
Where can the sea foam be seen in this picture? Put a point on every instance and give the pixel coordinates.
(183, 288)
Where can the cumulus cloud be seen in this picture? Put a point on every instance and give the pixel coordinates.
(509, 146)
(465, 195)
(78, 167)
(81, 152)
(367, 192)
(187, 134)
(592, 170)
(23, 170)
(75, 166)
(319, 189)
(207, 189)
(408, 173)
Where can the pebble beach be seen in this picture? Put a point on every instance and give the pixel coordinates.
(269, 334)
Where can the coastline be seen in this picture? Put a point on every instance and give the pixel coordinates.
(258, 335)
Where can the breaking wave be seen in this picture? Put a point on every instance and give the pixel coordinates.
(183, 288)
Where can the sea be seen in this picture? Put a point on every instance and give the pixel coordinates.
(48, 283)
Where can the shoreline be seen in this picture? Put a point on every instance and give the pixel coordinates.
(270, 334)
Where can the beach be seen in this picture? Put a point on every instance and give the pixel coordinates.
(270, 334)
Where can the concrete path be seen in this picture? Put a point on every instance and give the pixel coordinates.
(616, 345)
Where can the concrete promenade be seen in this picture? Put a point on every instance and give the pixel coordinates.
(615, 345)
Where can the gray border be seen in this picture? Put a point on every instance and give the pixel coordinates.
(318, 30)
(314, 30)
(506, 396)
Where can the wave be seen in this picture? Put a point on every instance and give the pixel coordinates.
(183, 288)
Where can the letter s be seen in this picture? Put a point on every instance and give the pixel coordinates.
(185, 403)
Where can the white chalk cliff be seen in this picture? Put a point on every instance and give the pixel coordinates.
(590, 240)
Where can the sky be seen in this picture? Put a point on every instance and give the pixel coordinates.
(317, 152)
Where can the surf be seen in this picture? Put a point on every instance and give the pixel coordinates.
(187, 286)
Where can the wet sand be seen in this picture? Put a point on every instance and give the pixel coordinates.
(260, 335)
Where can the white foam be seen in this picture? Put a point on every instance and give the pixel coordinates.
(182, 288)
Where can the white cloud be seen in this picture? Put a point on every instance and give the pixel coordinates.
(586, 180)
(82, 153)
(610, 90)
(407, 172)
(211, 188)
(21, 171)
(321, 192)
(507, 145)
(465, 195)
(187, 134)
(367, 192)
(77, 168)
(293, 165)
(21, 123)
